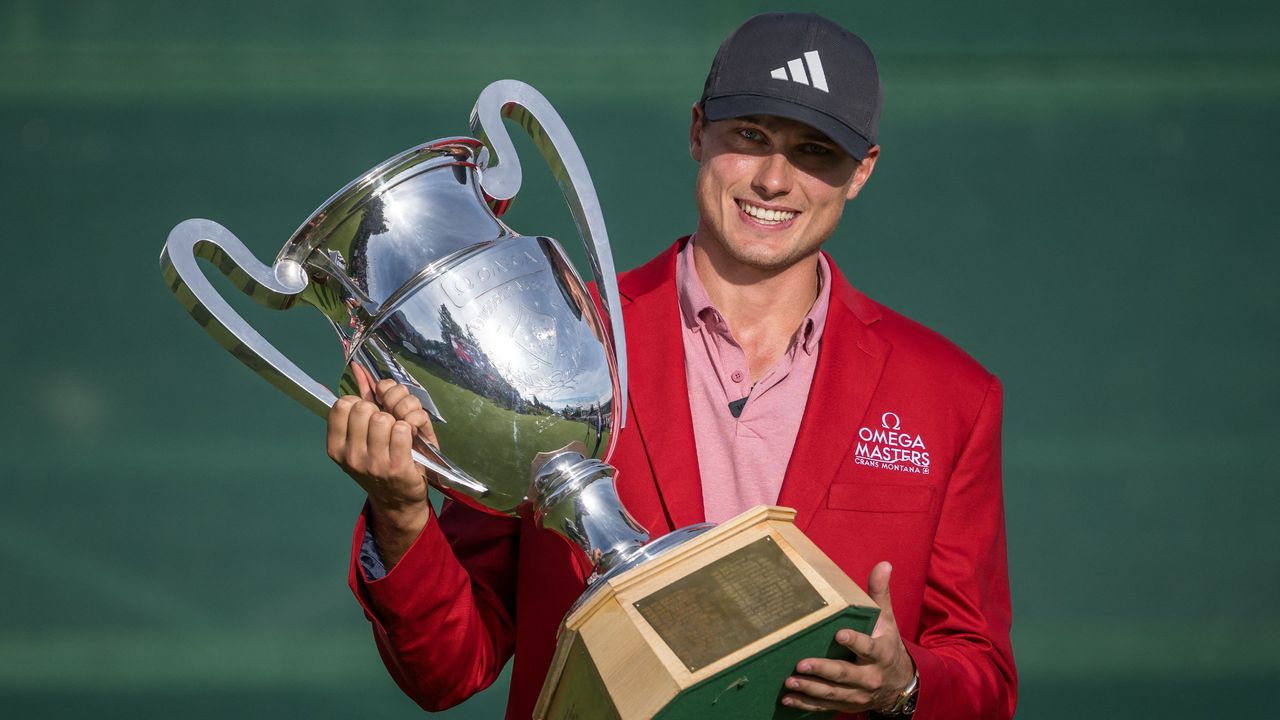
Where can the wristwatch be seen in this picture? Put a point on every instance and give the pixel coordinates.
(906, 704)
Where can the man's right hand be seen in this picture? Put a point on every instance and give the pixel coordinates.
(371, 438)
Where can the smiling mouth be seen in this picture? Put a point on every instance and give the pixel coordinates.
(765, 216)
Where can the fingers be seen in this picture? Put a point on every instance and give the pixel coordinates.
(817, 694)
(378, 443)
(865, 648)
(879, 668)
(348, 428)
(864, 672)
(375, 449)
(808, 704)
(389, 392)
(358, 434)
(836, 671)
(336, 439)
(427, 431)
(357, 448)
(367, 439)
(397, 400)
(364, 380)
(400, 453)
(404, 405)
(826, 684)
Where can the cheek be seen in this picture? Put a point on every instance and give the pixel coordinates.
(727, 170)
(712, 183)
(831, 218)
(706, 194)
(702, 184)
(826, 212)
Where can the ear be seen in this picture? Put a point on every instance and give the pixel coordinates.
(863, 172)
(695, 134)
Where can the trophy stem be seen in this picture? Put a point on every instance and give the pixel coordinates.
(575, 497)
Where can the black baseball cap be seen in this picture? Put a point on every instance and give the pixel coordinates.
(799, 66)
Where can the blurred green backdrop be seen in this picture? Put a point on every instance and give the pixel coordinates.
(1079, 194)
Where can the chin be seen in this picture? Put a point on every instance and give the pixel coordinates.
(761, 258)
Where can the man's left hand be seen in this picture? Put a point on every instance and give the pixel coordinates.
(880, 671)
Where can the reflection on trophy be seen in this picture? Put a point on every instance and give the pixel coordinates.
(525, 378)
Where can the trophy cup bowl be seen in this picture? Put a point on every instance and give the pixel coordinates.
(494, 332)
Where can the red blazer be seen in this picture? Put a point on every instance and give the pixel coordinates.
(898, 458)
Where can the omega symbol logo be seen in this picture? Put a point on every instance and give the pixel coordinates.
(890, 421)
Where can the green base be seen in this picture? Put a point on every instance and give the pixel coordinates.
(753, 688)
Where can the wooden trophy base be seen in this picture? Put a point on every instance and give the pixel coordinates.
(708, 629)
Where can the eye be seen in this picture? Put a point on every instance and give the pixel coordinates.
(815, 149)
(752, 134)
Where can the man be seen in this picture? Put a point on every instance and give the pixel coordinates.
(802, 392)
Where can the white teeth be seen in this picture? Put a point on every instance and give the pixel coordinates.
(771, 217)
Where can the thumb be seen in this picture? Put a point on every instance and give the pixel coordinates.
(364, 381)
(878, 589)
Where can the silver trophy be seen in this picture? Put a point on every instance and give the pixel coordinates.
(495, 332)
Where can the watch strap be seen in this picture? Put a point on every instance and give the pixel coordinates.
(906, 703)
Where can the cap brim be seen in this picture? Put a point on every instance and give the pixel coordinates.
(732, 106)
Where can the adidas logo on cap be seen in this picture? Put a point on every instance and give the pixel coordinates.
(797, 72)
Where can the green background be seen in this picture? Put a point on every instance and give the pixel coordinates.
(1080, 194)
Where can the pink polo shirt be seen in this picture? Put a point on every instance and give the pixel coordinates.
(742, 460)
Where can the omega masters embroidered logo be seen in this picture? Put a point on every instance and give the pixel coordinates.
(888, 447)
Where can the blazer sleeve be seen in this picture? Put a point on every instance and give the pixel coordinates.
(444, 617)
(963, 653)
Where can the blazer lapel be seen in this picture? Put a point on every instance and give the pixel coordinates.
(659, 391)
(851, 359)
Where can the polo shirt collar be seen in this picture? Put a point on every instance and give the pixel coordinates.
(699, 313)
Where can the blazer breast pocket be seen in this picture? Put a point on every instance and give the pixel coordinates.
(880, 497)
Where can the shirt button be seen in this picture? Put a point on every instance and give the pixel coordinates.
(736, 376)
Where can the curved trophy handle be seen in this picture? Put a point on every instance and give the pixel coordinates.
(501, 181)
(276, 288)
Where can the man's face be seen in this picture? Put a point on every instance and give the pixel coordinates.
(770, 190)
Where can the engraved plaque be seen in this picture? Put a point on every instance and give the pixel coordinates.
(729, 604)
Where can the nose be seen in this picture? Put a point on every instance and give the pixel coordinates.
(773, 176)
